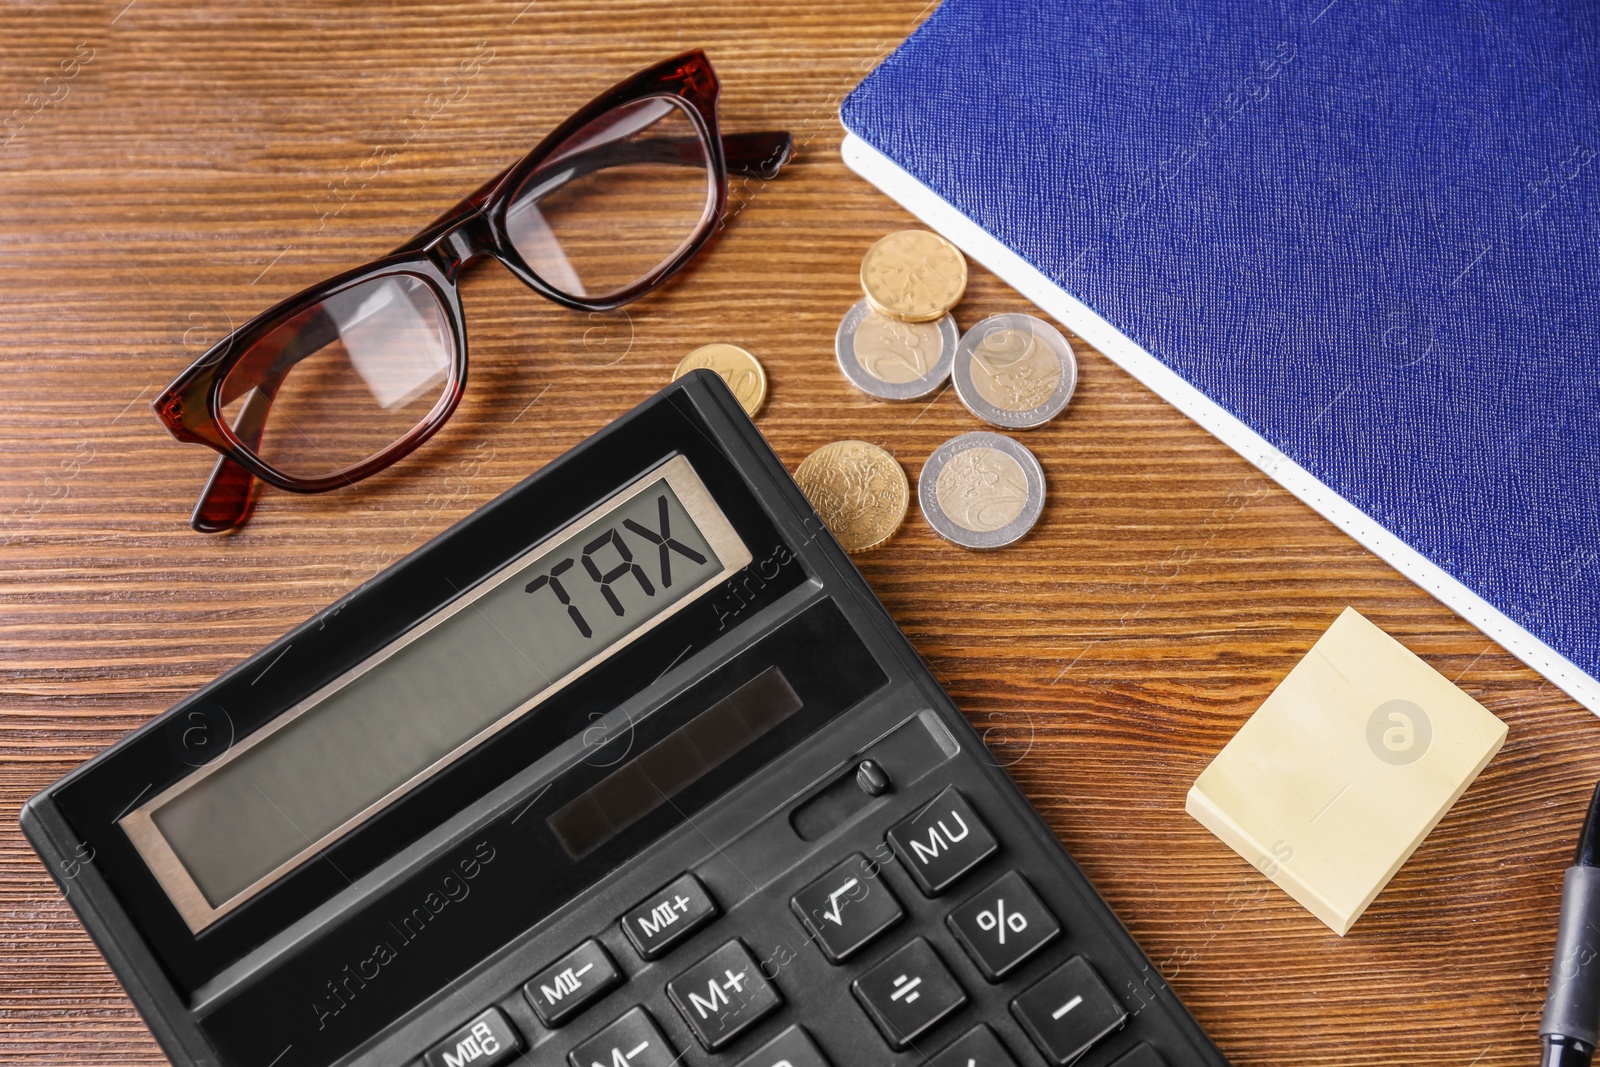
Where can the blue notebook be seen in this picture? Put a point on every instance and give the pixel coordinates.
(1360, 243)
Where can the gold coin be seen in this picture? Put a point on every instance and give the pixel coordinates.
(982, 489)
(858, 489)
(914, 275)
(741, 370)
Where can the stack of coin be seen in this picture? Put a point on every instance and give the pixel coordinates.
(899, 341)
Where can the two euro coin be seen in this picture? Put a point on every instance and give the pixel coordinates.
(1014, 371)
(893, 359)
(981, 490)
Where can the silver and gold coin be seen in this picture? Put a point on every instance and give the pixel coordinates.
(981, 490)
(893, 359)
(858, 489)
(913, 275)
(1014, 371)
(742, 371)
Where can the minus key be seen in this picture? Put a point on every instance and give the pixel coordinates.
(1069, 1011)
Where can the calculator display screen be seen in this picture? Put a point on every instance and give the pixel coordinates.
(479, 663)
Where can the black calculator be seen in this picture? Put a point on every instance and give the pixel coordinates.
(628, 769)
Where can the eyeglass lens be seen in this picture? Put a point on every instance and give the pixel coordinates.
(344, 379)
(614, 201)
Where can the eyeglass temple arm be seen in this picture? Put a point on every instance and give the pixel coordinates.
(226, 500)
(228, 496)
(757, 154)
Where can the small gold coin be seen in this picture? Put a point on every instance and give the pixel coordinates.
(914, 275)
(858, 489)
(742, 371)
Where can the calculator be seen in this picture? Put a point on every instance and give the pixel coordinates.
(629, 768)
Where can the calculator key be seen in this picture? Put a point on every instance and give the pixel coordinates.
(942, 842)
(977, 1047)
(792, 1048)
(1142, 1056)
(723, 995)
(571, 983)
(909, 993)
(847, 907)
(1003, 925)
(485, 1041)
(668, 916)
(1068, 1011)
(633, 1040)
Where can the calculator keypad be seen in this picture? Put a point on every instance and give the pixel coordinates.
(909, 993)
(848, 911)
(942, 842)
(1068, 1011)
(1003, 925)
(723, 995)
(847, 907)
(634, 1040)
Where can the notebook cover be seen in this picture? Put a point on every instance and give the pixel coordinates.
(1360, 243)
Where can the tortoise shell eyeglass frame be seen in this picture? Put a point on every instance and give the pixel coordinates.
(272, 343)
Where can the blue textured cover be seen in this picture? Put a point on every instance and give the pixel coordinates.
(1369, 231)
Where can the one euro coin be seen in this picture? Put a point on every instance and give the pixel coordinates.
(893, 359)
(1014, 371)
(981, 490)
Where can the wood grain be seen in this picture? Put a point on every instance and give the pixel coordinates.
(209, 158)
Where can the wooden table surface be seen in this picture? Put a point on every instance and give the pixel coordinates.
(168, 169)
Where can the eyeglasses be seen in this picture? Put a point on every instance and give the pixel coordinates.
(349, 376)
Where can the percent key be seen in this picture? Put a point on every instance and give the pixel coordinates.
(1003, 925)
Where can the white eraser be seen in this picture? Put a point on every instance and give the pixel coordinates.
(1344, 769)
